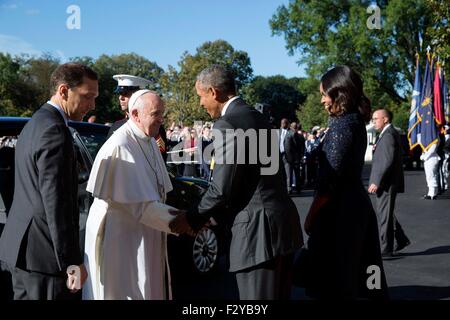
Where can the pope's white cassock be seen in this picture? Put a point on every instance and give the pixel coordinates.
(125, 246)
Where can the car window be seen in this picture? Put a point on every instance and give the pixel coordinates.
(93, 141)
(7, 150)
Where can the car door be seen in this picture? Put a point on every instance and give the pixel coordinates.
(84, 163)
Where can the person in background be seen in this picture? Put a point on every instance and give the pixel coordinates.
(92, 119)
(126, 86)
(431, 160)
(204, 141)
(386, 180)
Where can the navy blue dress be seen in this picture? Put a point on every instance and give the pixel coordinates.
(344, 236)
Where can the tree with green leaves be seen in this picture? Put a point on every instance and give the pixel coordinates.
(328, 32)
(24, 83)
(8, 77)
(178, 86)
(36, 73)
(439, 31)
(311, 112)
(281, 93)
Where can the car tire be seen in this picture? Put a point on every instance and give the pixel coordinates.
(205, 250)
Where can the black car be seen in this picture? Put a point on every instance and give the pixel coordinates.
(192, 261)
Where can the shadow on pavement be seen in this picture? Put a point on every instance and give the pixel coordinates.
(431, 251)
(419, 293)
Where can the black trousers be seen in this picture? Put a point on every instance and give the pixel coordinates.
(270, 280)
(390, 229)
(28, 285)
(292, 176)
(6, 292)
(311, 171)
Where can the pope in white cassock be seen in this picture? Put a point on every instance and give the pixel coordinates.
(125, 246)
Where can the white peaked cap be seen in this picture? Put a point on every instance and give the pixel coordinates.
(134, 97)
(126, 80)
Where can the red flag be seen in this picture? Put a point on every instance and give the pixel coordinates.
(438, 105)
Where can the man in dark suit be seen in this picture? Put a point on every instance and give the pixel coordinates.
(249, 203)
(294, 147)
(40, 242)
(301, 146)
(288, 151)
(386, 180)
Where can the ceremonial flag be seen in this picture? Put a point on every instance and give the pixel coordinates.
(445, 98)
(428, 130)
(437, 100)
(414, 122)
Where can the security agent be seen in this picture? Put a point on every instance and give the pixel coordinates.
(126, 86)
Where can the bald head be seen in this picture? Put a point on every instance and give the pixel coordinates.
(381, 118)
(147, 111)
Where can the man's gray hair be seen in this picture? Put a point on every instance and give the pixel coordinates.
(218, 77)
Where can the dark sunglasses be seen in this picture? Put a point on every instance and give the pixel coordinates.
(122, 90)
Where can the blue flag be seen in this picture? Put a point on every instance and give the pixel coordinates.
(414, 122)
(428, 131)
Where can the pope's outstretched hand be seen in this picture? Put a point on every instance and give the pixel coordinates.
(180, 224)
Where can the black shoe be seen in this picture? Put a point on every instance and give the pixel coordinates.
(427, 197)
(402, 245)
(387, 254)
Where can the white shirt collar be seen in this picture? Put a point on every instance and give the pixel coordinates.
(58, 107)
(225, 107)
(384, 129)
(137, 131)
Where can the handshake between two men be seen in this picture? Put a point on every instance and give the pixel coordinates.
(180, 223)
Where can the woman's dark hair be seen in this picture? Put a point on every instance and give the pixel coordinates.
(345, 88)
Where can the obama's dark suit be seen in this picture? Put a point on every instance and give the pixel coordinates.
(256, 209)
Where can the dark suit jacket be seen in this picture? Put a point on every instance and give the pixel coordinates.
(387, 166)
(263, 220)
(116, 125)
(42, 230)
(293, 147)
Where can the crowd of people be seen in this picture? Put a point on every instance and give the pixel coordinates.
(126, 231)
(298, 149)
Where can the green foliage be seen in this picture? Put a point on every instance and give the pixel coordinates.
(24, 83)
(328, 32)
(281, 93)
(439, 31)
(178, 86)
(8, 76)
(311, 112)
(35, 74)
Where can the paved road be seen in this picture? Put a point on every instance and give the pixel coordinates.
(422, 270)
